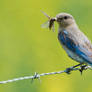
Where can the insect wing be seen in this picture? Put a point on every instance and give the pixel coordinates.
(45, 25)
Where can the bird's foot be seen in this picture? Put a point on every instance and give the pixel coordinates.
(68, 70)
(82, 68)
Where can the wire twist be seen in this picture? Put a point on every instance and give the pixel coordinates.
(37, 76)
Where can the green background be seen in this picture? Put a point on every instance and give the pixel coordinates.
(26, 48)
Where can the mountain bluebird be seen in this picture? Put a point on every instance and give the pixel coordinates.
(74, 42)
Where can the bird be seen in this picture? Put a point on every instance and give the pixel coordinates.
(76, 44)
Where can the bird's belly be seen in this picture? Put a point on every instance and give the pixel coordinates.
(73, 55)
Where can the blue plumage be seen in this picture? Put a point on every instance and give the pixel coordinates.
(68, 42)
(65, 40)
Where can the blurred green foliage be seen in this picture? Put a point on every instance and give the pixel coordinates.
(26, 48)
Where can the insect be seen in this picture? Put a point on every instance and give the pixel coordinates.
(50, 23)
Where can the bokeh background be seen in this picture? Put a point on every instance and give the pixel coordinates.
(26, 48)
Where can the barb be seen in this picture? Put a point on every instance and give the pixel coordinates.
(37, 76)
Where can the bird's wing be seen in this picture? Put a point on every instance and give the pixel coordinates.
(72, 44)
(87, 55)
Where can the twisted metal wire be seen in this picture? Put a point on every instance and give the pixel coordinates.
(37, 76)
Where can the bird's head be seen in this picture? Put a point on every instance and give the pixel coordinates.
(64, 19)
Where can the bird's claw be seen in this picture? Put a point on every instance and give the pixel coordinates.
(68, 70)
(82, 68)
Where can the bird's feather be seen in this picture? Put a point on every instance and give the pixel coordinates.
(83, 51)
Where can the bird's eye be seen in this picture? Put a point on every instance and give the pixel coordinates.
(65, 17)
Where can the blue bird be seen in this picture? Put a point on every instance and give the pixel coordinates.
(75, 43)
(77, 46)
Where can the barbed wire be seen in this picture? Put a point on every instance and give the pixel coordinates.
(37, 76)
